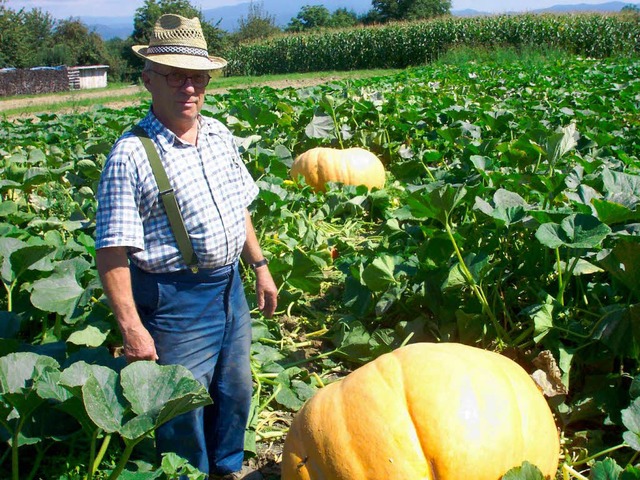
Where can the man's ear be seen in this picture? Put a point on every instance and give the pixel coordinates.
(146, 79)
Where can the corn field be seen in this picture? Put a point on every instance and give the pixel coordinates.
(418, 43)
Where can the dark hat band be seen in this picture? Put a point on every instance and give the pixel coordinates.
(177, 49)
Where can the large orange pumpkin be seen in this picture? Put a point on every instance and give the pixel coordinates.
(424, 412)
(352, 166)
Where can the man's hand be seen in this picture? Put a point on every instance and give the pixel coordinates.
(138, 344)
(266, 291)
(113, 268)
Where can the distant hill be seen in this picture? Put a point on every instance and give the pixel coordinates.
(284, 10)
(585, 7)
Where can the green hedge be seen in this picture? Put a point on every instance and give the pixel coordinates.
(410, 44)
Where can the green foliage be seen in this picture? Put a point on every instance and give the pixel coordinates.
(509, 220)
(343, 18)
(310, 17)
(33, 38)
(258, 24)
(418, 43)
(315, 17)
(389, 10)
(19, 32)
(635, 9)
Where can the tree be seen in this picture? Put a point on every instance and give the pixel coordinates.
(410, 9)
(343, 18)
(257, 24)
(22, 35)
(83, 47)
(310, 17)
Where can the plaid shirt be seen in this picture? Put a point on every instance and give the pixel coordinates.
(211, 184)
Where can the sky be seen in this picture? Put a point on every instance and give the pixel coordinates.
(126, 8)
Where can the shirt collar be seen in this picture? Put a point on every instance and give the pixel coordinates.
(165, 137)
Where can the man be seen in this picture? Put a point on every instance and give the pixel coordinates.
(196, 317)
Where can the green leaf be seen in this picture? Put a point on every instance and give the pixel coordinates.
(89, 336)
(73, 378)
(619, 329)
(379, 274)
(542, 316)
(9, 245)
(575, 231)
(620, 182)
(104, 403)
(19, 371)
(612, 213)
(607, 469)
(526, 471)
(353, 341)
(623, 262)
(631, 420)
(321, 126)
(477, 266)
(562, 142)
(306, 274)
(293, 392)
(158, 393)
(437, 204)
(57, 293)
(20, 374)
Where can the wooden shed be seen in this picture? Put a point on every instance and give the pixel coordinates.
(93, 76)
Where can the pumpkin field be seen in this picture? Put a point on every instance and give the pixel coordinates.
(509, 220)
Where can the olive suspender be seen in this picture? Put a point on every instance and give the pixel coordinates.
(168, 200)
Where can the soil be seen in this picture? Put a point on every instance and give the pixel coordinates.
(45, 101)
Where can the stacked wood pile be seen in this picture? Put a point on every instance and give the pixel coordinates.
(18, 81)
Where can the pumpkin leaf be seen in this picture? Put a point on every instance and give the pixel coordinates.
(526, 471)
(606, 469)
(379, 274)
(575, 231)
(437, 203)
(321, 126)
(631, 420)
(560, 143)
(622, 262)
(89, 336)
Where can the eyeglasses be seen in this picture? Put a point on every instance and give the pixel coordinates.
(178, 79)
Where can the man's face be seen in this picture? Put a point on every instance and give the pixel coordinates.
(173, 104)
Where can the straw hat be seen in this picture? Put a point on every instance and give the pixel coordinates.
(179, 42)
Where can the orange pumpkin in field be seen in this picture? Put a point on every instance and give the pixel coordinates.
(424, 412)
(352, 166)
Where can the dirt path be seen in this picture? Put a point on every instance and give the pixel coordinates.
(102, 97)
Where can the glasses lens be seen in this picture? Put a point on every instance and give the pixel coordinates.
(176, 79)
(200, 79)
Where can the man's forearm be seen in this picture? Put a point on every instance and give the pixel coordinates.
(113, 268)
(114, 273)
(251, 253)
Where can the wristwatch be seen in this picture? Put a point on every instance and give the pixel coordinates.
(259, 263)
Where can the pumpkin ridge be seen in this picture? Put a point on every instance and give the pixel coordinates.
(356, 462)
(412, 417)
(521, 411)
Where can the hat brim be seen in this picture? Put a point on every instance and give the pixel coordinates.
(188, 62)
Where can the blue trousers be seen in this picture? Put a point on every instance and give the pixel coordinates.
(202, 322)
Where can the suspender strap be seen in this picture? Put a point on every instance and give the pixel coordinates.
(168, 199)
